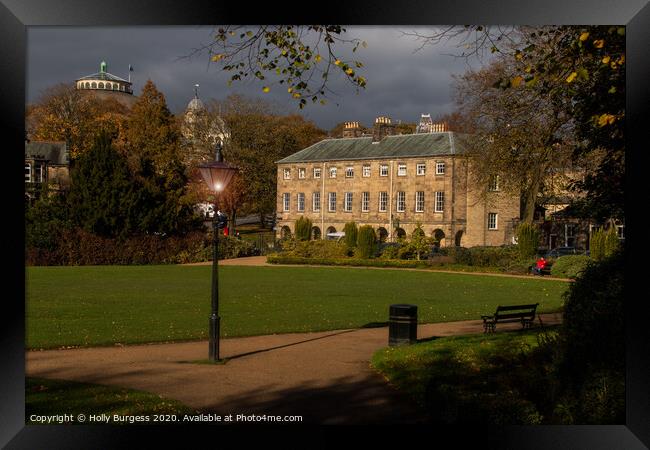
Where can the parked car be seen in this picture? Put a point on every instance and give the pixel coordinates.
(562, 251)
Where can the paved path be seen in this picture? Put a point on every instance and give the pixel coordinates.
(325, 377)
(261, 261)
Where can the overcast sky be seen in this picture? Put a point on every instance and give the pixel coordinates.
(401, 84)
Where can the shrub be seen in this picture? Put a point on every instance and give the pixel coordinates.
(527, 240)
(389, 250)
(597, 245)
(351, 232)
(316, 249)
(303, 229)
(593, 334)
(569, 266)
(611, 243)
(365, 242)
(231, 247)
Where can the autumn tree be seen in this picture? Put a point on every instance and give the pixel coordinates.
(64, 113)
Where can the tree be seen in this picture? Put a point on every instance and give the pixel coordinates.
(102, 195)
(351, 231)
(64, 113)
(520, 137)
(366, 243)
(302, 57)
(303, 229)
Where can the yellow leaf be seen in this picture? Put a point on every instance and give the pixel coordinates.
(266, 89)
(516, 81)
(289, 90)
(584, 36)
(606, 119)
(216, 58)
(571, 77)
(349, 71)
(598, 43)
(621, 60)
(519, 55)
(606, 60)
(337, 62)
(296, 95)
(317, 58)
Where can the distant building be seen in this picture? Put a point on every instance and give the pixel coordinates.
(106, 85)
(393, 182)
(201, 131)
(46, 165)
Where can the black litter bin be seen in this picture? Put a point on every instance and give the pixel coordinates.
(402, 325)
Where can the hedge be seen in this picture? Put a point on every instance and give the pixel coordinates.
(569, 266)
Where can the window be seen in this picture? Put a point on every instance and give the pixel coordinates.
(421, 169)
(440, 202)
(492, 221)
(316, 172)
(301, 201)
(419, 201)
(287, 174)
(332, 201)
(39, 173)
(366, 171)
(332, 172)
(440, 168)
(494, 183)
(401, 170)
(28, 173)
(365, 201)
(315, 201)
(285, 201)
(349, 172)
(620, 231)
(383, 170)
(401, 201)
(348, 202)
(301, 173)
(383, 201)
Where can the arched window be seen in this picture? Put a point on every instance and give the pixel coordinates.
(331, 230)
(101, 85)
(109, 86)
(285, 233)
(438, 235)
(315, 233)
(400, 233)
(382, 234)
(122, 88)
(94, 85)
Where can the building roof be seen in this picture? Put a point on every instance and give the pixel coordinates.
(54, 152)
(399, 146)
(103, 76)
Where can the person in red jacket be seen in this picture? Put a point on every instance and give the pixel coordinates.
(539, 266)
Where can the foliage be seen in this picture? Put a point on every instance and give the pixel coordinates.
(351, 230)
(300, 57)
(303, 228)
(232, 247)
(365, 242)
(611, 243)
(593, 333)
(419, 245)
(320, 248)
(597, 245)
(527, 240)
(45, 220)
(569, 266)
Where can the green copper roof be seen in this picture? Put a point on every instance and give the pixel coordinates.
(401, 146)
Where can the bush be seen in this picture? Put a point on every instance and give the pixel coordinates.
(593, 334)
(611, 243)
(597, 245)
(388, 250)
(315, 249)
(231, 247)
(527, 240)
(351, 232)
(569, 266)
(365, 242)
(303, 229)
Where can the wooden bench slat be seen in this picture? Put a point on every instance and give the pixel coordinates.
(523, 313)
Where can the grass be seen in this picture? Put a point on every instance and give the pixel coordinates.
(55, 397)
(496, 379)
(105, 305)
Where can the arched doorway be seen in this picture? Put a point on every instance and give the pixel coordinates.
(382, 234)
(459, 236)
(315, 233)
(400, 233)
(438, 236)
(285, 232)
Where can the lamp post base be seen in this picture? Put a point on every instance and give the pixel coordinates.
(214, 337)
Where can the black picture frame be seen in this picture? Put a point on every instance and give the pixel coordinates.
(17, 15)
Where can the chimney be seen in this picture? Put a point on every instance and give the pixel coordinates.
(383, 127)
(351, 130)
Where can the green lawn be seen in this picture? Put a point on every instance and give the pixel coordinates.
(492, 379)
(57, 397)
(103, 305)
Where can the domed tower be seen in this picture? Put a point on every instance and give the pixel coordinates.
(201, 129)
(106, 85)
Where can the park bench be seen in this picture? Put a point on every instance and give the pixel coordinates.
(514, 313)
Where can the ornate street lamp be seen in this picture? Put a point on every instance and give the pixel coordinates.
(217, 174)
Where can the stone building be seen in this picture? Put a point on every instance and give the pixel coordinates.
(393, 183)
(46, 164)
(105, 85)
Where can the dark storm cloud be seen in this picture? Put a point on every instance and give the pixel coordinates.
(401, 84)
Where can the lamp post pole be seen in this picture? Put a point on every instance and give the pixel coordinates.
(214, 316)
